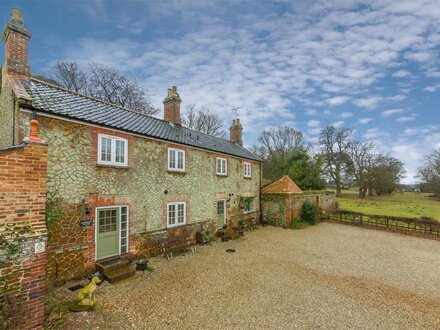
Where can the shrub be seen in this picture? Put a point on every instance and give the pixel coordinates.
(309, 213)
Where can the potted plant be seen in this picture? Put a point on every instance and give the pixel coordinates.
(141, 264)
(223, 234)
(203, 236)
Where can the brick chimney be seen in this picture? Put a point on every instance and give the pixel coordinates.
(171, 107)
(235, 132)
(16, 38)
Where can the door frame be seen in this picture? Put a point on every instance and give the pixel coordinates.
(224, 210)
(119, 207)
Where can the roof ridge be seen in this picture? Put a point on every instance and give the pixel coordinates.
(93, 98)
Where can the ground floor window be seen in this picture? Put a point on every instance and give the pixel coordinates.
(247, 204)
(176, 214)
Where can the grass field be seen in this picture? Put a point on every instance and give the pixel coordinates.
(400, 205)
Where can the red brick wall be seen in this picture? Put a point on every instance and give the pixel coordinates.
(22, 203)
(16, 55)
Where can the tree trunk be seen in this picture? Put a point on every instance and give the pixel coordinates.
(370, 190)
(338, 190)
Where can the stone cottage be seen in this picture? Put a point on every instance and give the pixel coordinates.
(114, 174)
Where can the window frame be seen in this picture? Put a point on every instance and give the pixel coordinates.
(176, 214)
(176, 150)
(96, 224)
(250, 169)
(112, 161)
(221, 167)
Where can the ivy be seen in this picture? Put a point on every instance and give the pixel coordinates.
(246, 202)
(12, 241)
(53, 209)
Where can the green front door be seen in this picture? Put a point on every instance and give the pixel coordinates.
(221, 219)
(107, 238)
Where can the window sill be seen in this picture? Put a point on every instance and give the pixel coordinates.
(247, 177)
(176, 171)
(176, 226)
(112, 166)
(221, 175)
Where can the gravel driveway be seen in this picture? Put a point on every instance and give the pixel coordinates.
(325, 276)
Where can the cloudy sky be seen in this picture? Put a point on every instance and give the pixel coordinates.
(370, 65)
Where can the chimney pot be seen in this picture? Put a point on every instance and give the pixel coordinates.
(236, 132)
(34, 137)
(171, 107)
(17, 14)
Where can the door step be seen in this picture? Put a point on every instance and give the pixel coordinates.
(115, 269)
(120, 274)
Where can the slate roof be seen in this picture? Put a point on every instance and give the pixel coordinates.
(62, 102)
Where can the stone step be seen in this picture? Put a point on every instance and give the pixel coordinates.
(120, 274)
(109, 265)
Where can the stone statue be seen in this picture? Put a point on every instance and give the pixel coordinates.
(86, 296)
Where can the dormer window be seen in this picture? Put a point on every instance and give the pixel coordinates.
(176, 160)
(221, 166)
(112, 150)
(247, 170)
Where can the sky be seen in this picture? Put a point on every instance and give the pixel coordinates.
(373, 66)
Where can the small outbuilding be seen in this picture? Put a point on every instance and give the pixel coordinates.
(282, 200)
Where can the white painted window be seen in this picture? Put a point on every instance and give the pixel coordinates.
(112, 150)
(176, 160)
(176, 214)
(249, 207)
(221, 166)
(247, 170)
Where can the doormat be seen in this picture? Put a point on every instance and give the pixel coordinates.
(76, 287)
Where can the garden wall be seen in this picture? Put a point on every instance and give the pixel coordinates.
(22, 235)
(280, 209)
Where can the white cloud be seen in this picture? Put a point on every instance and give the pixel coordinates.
(404, 119)
(313, 123)
(374, 133)
(346, 114)
(368, 102)
(311, 112)
(432, 88)
(401, 74)
(397, 98)
(337, 124)
(365, 120)
(337, 100)
(391, 112)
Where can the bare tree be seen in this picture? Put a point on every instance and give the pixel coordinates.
(430, 171)
(110, 85)
(277, 146)
(277, 142)
(106, 84)
(204, 120)
(71, 76)
(334, 145)
(361, 162)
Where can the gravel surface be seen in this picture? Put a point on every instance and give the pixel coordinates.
(325, 276)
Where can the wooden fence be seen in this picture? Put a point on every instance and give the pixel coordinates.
(424, 226)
